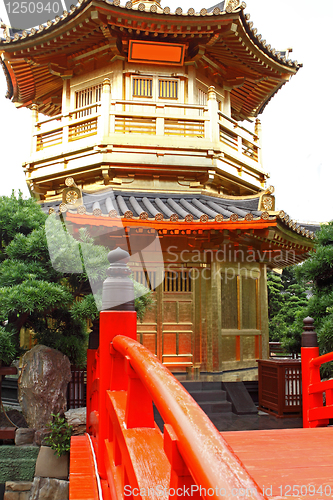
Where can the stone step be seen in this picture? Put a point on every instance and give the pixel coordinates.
(210, 407)
(202, 396)
(201, 386)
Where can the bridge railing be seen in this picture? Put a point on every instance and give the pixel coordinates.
(317, 394)
(132, 453)
(124, 379)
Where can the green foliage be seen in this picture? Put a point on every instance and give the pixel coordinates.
(17, 215)
(286, 299)
(60, 437)
(46, 277)
(143, 299)
(8, 349)
(316, 275)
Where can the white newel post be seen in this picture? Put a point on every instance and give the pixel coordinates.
(258, 132)
(34, 128)
(66, 96)
(213, 115)
(105, 111)
(160, 119)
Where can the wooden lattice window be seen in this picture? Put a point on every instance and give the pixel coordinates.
(85, 97)
(146, 278)
(177, 281)
(168, 89)
(142, 87)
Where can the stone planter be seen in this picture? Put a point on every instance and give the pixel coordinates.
(50, 465)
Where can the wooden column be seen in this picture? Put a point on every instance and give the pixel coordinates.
(263, 299)
(212, 277)
(66, 105)
(213, 115)
(105, 111)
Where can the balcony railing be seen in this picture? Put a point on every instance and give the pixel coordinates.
(203, 126)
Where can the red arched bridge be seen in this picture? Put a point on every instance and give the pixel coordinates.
(125, 455)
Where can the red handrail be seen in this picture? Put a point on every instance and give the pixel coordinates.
(211, 462)
(320, 360)
(134, 458)
(315, 413)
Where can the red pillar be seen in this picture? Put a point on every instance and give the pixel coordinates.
(112, 323)
(309, 351)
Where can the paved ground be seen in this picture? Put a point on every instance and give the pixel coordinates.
(288, 463)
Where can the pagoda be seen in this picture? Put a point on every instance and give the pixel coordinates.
(138, 133)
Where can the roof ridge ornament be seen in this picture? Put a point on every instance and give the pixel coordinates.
(232, 5)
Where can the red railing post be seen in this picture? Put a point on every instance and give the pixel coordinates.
(309, 351)
(180, 476)
(112, 323)
(106, 368)
(139, 404)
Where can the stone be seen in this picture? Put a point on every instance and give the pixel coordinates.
(24, 436)
(24, 495)
(17, 490)
(76, 417)
(40, 436)
(18, 485)
(45, 488)
(50, 465)
(11, 495)
(42, 386)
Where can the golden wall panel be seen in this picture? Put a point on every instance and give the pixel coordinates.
(249, 303)
(185, 311)
(170, 312)
(248, 347)
(228, 349)
(149, 341)
(170, 343)
(229, 302)
(185, 343)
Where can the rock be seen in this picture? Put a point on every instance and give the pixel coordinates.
(50, 465)
(45, 488)
(17, 490)
(42, 386)
(76, 417)
(18, 485)
(40, 436)
(24, 436)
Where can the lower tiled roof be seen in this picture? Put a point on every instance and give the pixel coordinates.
(173, 207)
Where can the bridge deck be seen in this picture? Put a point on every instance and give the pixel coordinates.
(291, 463)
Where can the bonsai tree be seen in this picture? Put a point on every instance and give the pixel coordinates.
(8, 350)
(42, 292)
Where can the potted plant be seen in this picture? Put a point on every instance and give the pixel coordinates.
(53, 459)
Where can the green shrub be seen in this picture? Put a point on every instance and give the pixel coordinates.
(60, 438)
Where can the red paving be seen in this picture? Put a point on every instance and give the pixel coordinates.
(290, 463)
(82, 476)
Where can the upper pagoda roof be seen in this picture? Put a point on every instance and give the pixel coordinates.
(222, 43)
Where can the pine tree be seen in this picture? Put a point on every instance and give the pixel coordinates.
(44, 284)
(318, 271)
(286, 300)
